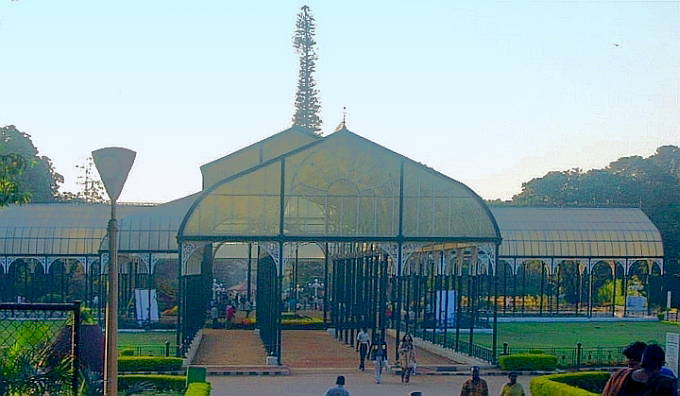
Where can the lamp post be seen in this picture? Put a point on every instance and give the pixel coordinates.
(113, 165)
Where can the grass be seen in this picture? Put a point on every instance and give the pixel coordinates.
(147, 338)
(590, 334)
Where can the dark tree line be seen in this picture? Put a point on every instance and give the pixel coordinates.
(651, 183)
(24, 174)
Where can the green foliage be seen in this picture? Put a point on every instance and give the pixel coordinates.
(307, 105)
(198, 389)
(604, 293)
(25, 367)
(11, 168)
(571, 384)
(159, 381)
(528, 361)
(38, 178)
(149, 363)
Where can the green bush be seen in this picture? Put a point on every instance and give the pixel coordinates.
(160, 382)
(149, 363)
(528, 361)
(588, 383)
(198, 389)
(127, 352)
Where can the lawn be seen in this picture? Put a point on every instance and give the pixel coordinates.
(146, 338)
(590, 334)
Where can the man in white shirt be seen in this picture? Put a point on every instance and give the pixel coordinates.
(362, 346)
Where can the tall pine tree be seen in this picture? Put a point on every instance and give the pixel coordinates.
(307, 103)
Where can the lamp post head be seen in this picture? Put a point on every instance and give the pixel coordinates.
(113, 165)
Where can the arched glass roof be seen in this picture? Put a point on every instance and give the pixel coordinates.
(340, 187)
(577, 232)
(153, 229)
(255, 154)
(55, 228)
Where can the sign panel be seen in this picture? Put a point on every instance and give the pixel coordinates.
(442, 313)
(146, 305)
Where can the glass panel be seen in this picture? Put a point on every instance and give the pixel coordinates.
(435, 205)
(255, 154)
(247, 205)
(344, 186)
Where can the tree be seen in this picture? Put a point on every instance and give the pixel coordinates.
(38, 178)
(307, 103)
(11, 166)
(92, 186)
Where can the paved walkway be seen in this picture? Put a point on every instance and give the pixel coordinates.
(230, 348)
(358, 384)
(316, 349)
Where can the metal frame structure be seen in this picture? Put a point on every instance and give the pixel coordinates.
(401, 244)
(370, 209)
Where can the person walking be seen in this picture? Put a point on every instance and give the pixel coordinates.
(512, 388)
(379, 356)
(339, 389)
(407, 358)
(214, 315)
(247, 307)
(362, 346)
(475, 386)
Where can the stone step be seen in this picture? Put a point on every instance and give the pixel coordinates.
(218, 370)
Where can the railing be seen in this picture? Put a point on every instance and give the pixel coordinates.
(576, 357)
(165, 349)
(476, 350)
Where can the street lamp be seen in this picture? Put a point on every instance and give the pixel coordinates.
(113, 165)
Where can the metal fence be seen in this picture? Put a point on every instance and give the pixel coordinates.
(165, 349)
(578, 356)
(39, 348)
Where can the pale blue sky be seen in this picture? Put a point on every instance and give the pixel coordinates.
(490, 93)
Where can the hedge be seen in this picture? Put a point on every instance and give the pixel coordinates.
(198, 389)
(587, 383)
(528, 361)
(127, 352)
(159, 381)
(149, 363)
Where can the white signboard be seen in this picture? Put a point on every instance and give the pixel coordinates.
(441, 307)
(636, 303)
(672, 349)
(146, 305)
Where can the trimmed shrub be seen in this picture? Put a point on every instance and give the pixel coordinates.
(160, 382)
(588, 383)
(528, 361)
(149, 363)
(127, 352)
(198, 389)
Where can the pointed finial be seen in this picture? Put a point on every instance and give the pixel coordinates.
(343, 124)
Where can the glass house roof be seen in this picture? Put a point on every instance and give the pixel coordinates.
(56, 228)
(577, 232)
(340, 187)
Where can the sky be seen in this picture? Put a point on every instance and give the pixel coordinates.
(491, 93)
